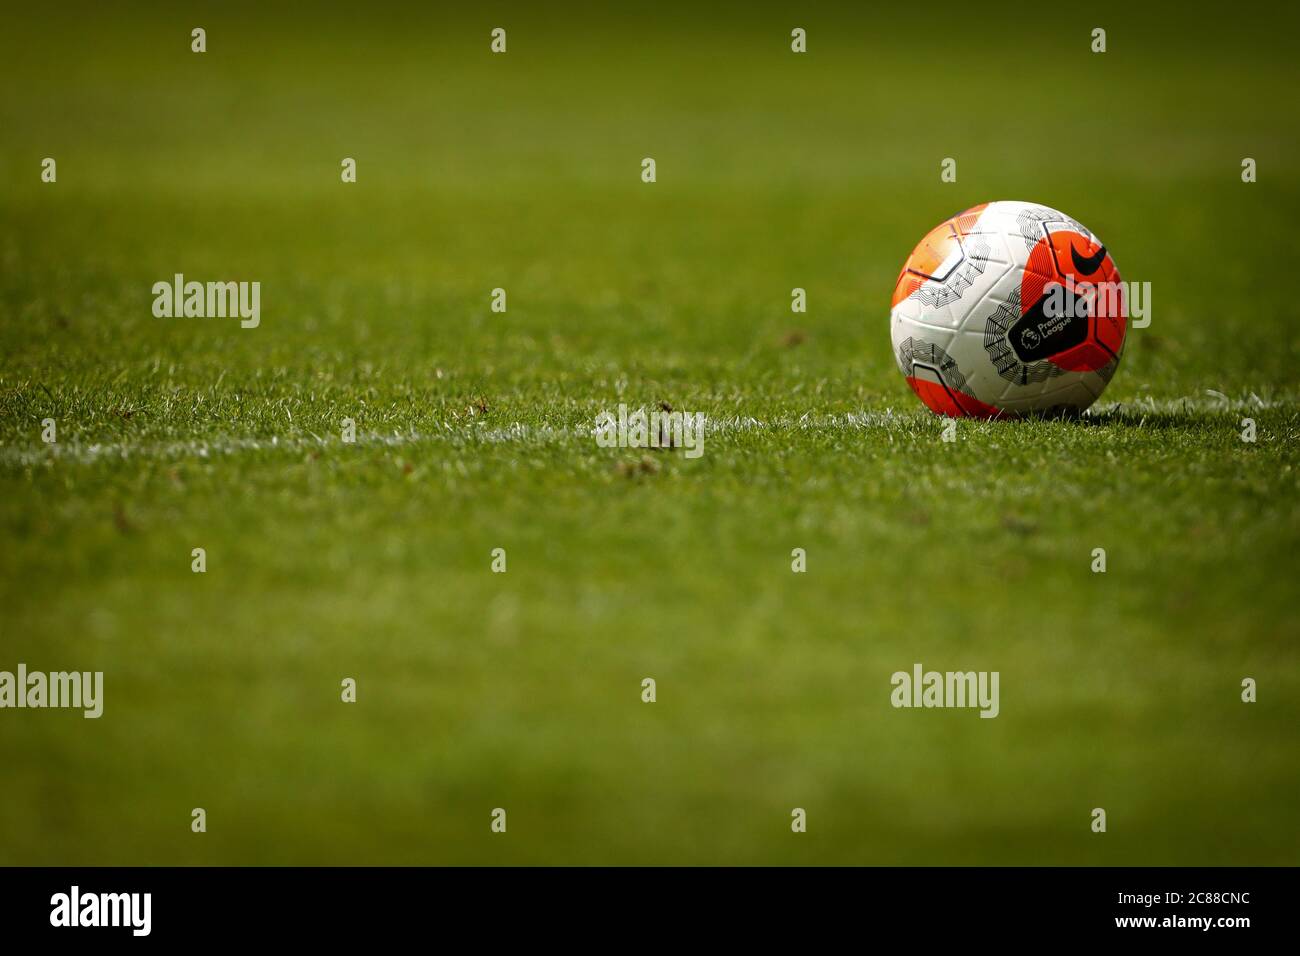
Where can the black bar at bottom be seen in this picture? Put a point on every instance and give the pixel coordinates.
(674, 906)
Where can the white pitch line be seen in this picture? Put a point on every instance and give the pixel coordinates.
(84, 453)
(89, 453)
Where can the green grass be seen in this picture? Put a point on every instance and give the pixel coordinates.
(522, 690)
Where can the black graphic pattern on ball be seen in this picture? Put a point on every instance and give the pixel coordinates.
(940, 292)
(913, 352)
(1032, 225)
(1000, 352)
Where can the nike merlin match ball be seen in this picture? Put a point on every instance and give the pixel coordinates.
(1008, 308)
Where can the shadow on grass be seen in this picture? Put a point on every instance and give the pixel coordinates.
(1175, 418)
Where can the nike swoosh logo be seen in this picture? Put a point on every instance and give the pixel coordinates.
(1087, 266)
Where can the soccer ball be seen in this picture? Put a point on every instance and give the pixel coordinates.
(1006, 309)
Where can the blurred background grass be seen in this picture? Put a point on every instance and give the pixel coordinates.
(522, 690)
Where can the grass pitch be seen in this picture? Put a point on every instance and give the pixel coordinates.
(522, 690)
